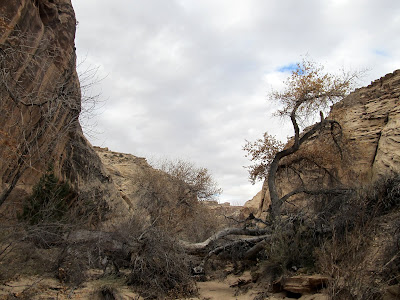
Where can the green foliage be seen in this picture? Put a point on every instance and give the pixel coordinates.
(49, 201)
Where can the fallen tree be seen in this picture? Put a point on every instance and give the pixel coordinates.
(197, 248)
(114, 242)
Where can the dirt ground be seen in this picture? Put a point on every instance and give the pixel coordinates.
(39, 288)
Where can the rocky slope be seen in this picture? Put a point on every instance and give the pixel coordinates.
(125, 171)
(40, 105)
(134, 177)
(370, 119)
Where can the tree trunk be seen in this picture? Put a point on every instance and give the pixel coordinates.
(10, 188)
(276, 201)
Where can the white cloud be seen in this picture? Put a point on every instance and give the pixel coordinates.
(190, 78)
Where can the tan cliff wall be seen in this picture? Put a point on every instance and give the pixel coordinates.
(370, 119)
(40, 105)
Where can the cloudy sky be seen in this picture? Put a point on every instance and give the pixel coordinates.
(189, 78)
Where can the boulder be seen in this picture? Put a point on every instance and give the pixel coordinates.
(301, 284)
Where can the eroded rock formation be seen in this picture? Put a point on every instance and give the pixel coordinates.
(126, 171)
(40, 105)
(370, 118)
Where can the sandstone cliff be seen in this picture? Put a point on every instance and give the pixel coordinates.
(370, 118)
(40, 105)
(370, 138)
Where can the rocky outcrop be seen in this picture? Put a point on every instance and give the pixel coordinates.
(370, 119)
(134, 177)
(252, 205)
(127, 172)
(40, 105)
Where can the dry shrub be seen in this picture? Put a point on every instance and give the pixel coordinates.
(361, 252)
(201, 223)
(72, 265)
(23, 258)
(38, 243)
(291, 247)
(172, 205)
(343, 260)
(383, 196)
(357, 208)
(353, 237)
(390, 272)
(160, 267)
(106, 293)
(198, 179)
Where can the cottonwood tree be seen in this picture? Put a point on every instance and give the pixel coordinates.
(309, 90)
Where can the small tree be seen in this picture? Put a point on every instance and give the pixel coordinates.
(308, 90)
(174, 197)
(198, 179)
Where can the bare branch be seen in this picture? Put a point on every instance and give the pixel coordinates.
(199, 247)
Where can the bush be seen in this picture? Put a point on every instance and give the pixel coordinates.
(291, 247)
(160, 267)
(361, 251)
(171, 204)
(49, 201)
(352, 237)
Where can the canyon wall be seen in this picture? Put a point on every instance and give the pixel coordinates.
(40, 106)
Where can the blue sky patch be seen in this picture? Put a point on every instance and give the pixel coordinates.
(381, 52)
(288, 68)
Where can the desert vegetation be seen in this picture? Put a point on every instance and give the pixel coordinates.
(60, 236)
(316, 223)
(312, 219)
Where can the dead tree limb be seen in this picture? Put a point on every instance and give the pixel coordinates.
(260, 240)
(195, 248)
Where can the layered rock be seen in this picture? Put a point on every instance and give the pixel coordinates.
(370, 119)
(40, 105)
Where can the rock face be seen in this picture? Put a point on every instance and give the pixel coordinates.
(40, 105)
(370, 118)
(370, 121)
(125, 171)
(252, 205)
(134, 177)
